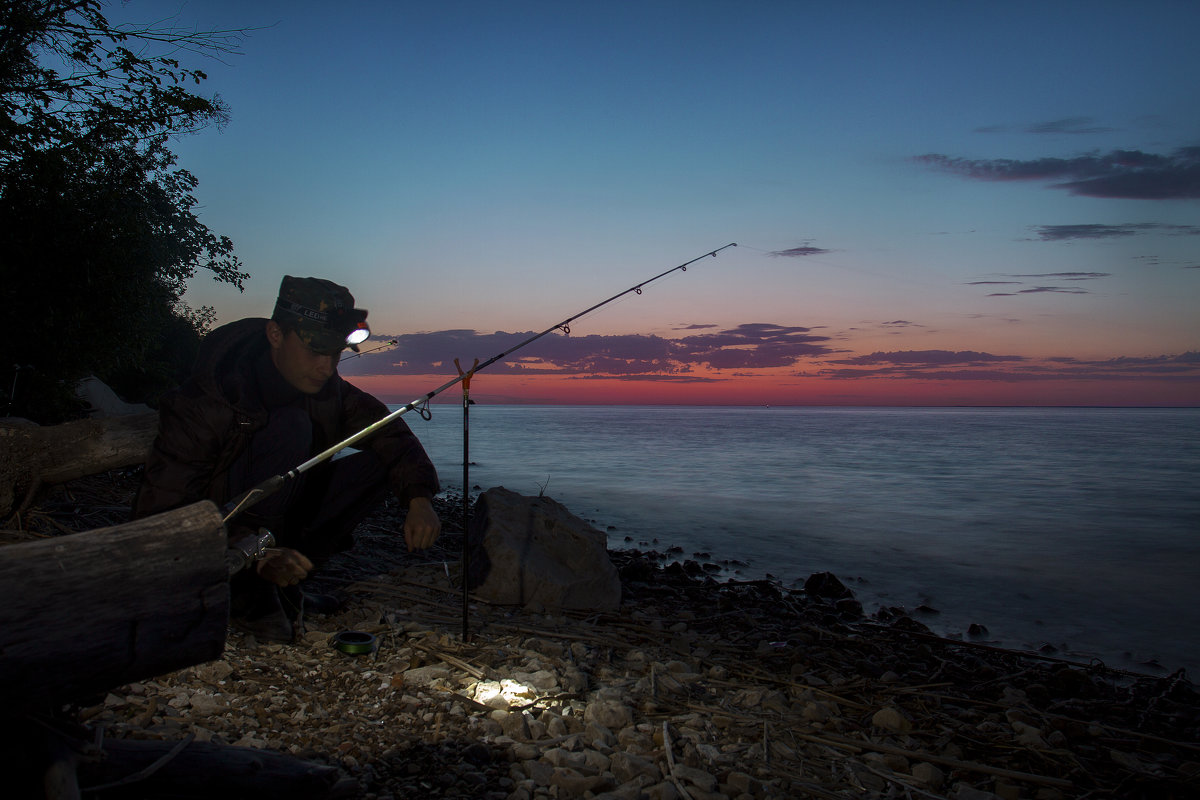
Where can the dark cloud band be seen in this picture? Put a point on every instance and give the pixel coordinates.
(747, 346)
(1060, 233)
(800, 252)
(1129, 174)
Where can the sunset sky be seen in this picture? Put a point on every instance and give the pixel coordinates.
(934, 202)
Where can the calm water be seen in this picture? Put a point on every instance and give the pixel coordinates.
(1077, 528)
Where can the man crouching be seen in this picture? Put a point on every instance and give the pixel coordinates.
(264, 397)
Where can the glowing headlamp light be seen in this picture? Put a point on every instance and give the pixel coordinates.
(358, 335)
(354, 322)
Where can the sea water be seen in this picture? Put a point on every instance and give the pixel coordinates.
(1073, 531)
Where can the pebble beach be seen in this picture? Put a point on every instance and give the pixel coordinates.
(694, 688)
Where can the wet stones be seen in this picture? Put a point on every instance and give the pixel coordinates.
(826, 585)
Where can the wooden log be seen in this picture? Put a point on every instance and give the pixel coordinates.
(84, 613)
(34, 455)
(136, 769)
(39, 758)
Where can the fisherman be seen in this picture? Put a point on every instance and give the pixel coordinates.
(265, 396)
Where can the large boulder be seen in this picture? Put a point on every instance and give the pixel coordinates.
(532, 550)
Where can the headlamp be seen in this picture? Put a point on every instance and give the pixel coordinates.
(354, 322)
(358, 335)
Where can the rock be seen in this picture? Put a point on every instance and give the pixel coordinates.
(1007, 791)
(890, 719)
(775, 701)
(1028, 735)
(573, 680)
(599, 735)
(627, 767)
(559, 757)
(634, 741)
(543, 680)
(888, 761)
(609, 713)
(910, 624)
(537, 728)
(477, 753)
(504, 693)
(425, 676)
(737, 783)
(216, 671)
(1019, 715)
(533, 550)
(704, 781)
(488, 727)
(571, 784)
(630, 791)
(638, 569)
(849, 607)
(102, 401)
(826, 585)
(596, 762)
(207, 704)
(539, 771)
(525, 752)
(662, 791)
(817, 711)
(964, 791)
(516, 725)
(929, 776)
(555, 727)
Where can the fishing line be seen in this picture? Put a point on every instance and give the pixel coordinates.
(275, 483)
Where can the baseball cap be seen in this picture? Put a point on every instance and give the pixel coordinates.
(322, 313)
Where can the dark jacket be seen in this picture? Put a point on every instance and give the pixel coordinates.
(206, 423)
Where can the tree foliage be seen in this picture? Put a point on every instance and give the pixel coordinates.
(98, 231)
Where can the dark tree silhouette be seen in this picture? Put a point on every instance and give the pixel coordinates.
(98, 234)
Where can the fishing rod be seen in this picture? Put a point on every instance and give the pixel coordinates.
(273, 484)
(388, 343)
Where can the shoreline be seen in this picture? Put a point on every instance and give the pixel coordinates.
(1027, 542)
(977, 635)
(878, 607)
(743, 689)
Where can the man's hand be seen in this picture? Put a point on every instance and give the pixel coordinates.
(421, 526)
(284, 566)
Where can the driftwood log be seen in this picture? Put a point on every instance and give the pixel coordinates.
(83, 613)
(190, 769)
(47, 758)
(32, 456)
(47, 761)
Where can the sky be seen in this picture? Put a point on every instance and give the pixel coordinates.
(934, 203)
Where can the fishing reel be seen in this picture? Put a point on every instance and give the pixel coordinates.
(247, 549)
